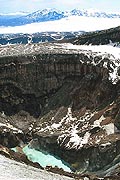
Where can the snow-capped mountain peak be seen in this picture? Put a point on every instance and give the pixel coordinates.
(49, 10)
(57, 14)
(46, 11)
(49, 14)
(54, 14)
(94, 13)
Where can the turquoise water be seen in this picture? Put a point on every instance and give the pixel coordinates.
(44, 159)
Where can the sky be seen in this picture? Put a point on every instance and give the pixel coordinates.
(11, 6)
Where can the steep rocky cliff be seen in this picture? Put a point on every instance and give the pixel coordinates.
(66, 101)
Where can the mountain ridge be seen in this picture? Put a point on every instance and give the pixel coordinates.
(107, 36)
(52, 15)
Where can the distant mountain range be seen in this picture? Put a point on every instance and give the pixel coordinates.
(49, 15)
(21, 38)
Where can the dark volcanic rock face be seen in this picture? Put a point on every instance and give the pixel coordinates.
(26, 82)
(65, 103)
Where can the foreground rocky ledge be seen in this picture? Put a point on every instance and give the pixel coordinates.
(23, 169)
(13, 170)
(63, 101)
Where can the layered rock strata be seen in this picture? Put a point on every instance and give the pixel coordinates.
(64, 101)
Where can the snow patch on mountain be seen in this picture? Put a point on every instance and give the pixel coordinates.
(110, 128)
(108, 52)
(77, 141)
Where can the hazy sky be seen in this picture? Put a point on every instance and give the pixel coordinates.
(8, 6)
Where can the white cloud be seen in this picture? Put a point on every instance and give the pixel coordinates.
(73, 23)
